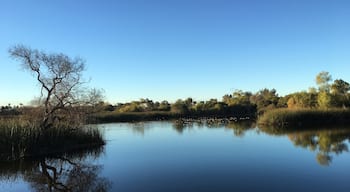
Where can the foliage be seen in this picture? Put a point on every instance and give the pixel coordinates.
(324, 100)
(10, 110)
(340, 86)
(144, 105)
(238, 97)
(302, 100)
(322, 80)
(164, 106)
(239, 103)
(182, 107)
(265, 99)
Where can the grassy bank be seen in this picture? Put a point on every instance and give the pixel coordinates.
(109, 117)
(21, 139)
(304, 117)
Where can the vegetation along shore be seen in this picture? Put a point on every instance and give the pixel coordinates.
(56, 123)
(66, 106)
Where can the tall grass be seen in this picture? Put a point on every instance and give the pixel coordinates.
(21, 138)
(108, 117)
(305, 117)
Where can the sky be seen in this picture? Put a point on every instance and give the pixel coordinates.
(174, 49)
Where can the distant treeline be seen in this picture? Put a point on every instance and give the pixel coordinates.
(187, 107)
(9, 110)
(329, 94)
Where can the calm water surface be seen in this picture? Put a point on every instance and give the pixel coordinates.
(165, 156)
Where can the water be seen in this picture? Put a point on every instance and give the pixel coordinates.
(163, 156)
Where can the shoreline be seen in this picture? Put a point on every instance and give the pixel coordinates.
(163, 116)
(304, 117)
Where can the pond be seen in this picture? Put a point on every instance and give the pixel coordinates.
(170, 156)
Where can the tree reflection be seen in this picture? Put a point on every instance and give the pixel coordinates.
(239, 128)
(324, 159)
(60, 173)
(326, 142)
(140, 128)
(180, 125)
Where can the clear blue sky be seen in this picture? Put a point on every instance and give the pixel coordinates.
(169, 49)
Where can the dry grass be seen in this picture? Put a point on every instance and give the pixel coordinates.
(21, 138)
(305, 117)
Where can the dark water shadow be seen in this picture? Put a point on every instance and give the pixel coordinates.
(69, 172)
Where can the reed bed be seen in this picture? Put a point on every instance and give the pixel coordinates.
(22, 138)
(305, 117)
(109, 117)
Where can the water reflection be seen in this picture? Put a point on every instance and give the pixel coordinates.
(238, 128)
(325, 142)
(70, 172)
(140, 128)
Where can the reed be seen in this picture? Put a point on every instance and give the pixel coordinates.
(305, 117)
(109, 117)
(22, 138)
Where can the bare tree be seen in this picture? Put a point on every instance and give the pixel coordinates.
(60, 80)
(64, 174)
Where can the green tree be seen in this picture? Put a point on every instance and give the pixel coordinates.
(339, 90)
(180, 106)
(147, 105)
(189, 103)
(164, 106)
(210, 105)
(302, 100)
(265, 99)
(324, 100)
(322, 80)
(131, 107)
(238, 97)
(340, 86)
(199, 107)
